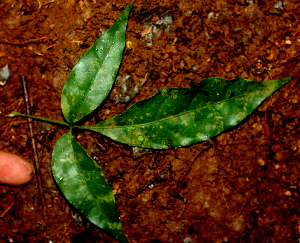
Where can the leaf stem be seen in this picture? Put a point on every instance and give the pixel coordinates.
(15, 113)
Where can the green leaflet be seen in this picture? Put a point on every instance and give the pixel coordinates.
(83, 183)
(183, 116)
(91, 79)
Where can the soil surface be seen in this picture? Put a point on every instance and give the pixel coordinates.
(242, 186)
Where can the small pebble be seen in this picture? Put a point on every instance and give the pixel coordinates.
(4, 75)
(288, 193)
(261, 162)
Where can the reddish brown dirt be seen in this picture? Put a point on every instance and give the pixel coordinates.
(242, 186)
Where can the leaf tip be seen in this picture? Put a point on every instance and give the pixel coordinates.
(129, 6)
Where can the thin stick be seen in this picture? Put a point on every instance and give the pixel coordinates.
(265, 123)
(7, 209)
(23, 42)
(36, 161)
(148, 183)
(205, 148)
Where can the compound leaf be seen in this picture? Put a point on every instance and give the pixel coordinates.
(91, 79)
(183, 116)
(83, 183)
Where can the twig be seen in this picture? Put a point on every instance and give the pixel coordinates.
(265, 123)
(205, 148)
(40, 52)
(36, 161)
(153, 159)
(148, 183)
(224, 198)
(7, 209)
(4, 41)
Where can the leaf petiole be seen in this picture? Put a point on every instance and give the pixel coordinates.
(15, 113)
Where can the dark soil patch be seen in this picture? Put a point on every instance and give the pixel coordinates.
(242, 186)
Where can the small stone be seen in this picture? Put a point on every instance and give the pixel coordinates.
(129, 44)
(4, 75)
(261, 162)
(288, 193)
(288, 42)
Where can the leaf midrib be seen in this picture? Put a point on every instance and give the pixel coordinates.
(99, 69)
(165, 118)
(85, 181)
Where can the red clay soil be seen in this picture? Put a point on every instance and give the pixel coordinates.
(242, 186)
